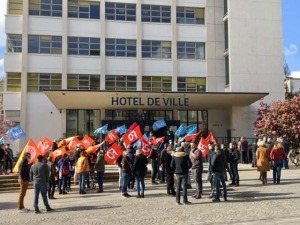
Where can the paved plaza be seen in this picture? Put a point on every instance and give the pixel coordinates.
(251, 203)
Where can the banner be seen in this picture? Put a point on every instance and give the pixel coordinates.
(72, 144)
(66, 140)
(94, 148)
(159, 124)
(58, 152)
(111, 137)
(190, 137)
(203, 146)
(145, 147)
(121, 129)
(210, 138)
(44, 145)
(15, 133)
(180, 131)
(101, 130)
(31, 148)
(87, 141)
(132, 126)
(158, 140)
(191, 129)
(113, 153)
(132, 136)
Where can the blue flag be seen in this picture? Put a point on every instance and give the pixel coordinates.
(159, 124)
(2, 140)
(146, 136)
(191, 129)
(15, 133)
(137, 144)
(180, 131)
(121, 129)
(101, 130)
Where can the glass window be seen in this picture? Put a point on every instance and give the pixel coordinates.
(190, 50)
(156, 83)
(84, 9)
(227, 79)
(191, 84)
(15, 7)
(83, 46)
(226, 34)
(120, 82)
(156, 13)
(156, 49)
(187, 15)
(14, 42)
(83, 82)
(37, 82)
(44, 44)
(45, 8)
(13, 82)
(120, 11)
(199, 117)
(120, 47)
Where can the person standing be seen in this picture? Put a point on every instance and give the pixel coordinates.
(154, 156)
(23, 171)
(2, 159)
(63, 166)
(9, 158)
(82, 169)
(286, 148)
(277, 156)
(166, 159)
(234, 158)
(263, 161)
(39, 174)
(243, 147)
(100, 168)
(197, 169)
(218, 166)
(126, 173)
(139, 172)
(53, 174)
(181, 164)
(253, 149)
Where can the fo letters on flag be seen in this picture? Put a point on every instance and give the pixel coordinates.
(113, 153)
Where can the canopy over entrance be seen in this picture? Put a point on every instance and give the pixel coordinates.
(82, 99)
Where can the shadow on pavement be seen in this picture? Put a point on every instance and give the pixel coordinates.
(8, 205)
(85, 208)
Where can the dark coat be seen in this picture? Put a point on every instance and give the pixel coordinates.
(234, 156)
(218, 163)
(181, 163)
(140, 165)
(24, 170)
(166, 159)
(126, 165)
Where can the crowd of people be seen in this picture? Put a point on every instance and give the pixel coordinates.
(170, 160)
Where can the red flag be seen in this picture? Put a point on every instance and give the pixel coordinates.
(191, 136)
(132, 136)
(93, 149)
(158, 140)
(145, 147)
(134, 125)
(60, 151)
(73, 143)
(29, 148)
(44, 145)
(113, 153)
(111, 137)
(203, 146)
(210, 138)
(87, 141)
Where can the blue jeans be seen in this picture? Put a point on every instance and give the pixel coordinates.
(120, 177)
(286, 162)
(235, 173)
(181, 179)
(208, 172)
(277, 165)
(139, 180)
(100, 179)
(219, 177)
(62, 182)
(37, 189)
(82, 178)
(125, 179)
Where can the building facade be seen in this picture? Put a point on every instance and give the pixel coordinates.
(72, 65)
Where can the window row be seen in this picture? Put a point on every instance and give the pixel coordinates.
(37, 82)
(89, 9)
(45, 44)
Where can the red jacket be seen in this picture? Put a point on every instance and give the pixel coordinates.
(277, 154)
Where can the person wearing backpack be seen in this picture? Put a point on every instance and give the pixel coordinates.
(234, 157)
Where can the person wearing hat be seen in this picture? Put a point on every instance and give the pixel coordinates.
(139, 172)
(263, 161)
(181, 164)
(39, 174)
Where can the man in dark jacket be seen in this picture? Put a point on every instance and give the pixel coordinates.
(24, 179)
(197, 169)
(154, 156)
(181, 164)
(218, 166)
(234, 157)
(39, 174)
(166, 159)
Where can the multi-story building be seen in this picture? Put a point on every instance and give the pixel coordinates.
(73, 65)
